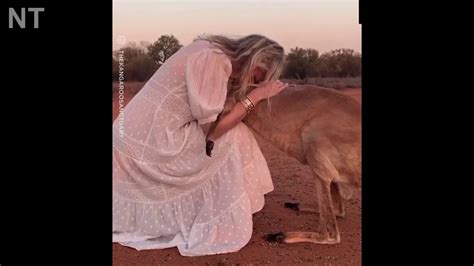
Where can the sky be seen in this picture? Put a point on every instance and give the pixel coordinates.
(319, 24)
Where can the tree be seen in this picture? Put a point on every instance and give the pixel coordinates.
(300, 63)
(137, 64)
(131, 51)
(163, 48)
(140, 68)
(340, 63)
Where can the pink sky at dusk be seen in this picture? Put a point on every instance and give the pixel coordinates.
(319, 24)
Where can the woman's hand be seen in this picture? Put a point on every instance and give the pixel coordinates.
(271, 89)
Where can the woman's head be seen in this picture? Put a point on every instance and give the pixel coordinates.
(255, 58)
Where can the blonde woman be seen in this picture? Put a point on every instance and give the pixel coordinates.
(167, 191)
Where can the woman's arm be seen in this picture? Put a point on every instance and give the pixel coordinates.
(236, 114)
(238, 111)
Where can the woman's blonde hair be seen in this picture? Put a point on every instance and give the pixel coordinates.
(249, 52)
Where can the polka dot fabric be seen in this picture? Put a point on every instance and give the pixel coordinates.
(166, 191)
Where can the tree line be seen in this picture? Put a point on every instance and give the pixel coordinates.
(141, 60)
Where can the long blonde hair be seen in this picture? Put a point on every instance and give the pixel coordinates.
(249, 52)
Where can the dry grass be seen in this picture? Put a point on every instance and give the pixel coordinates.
(334, 83)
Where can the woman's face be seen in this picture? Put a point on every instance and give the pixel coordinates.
(258, 74)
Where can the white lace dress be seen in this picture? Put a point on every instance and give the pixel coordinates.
(166, 191)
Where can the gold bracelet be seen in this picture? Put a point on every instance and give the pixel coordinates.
(250, 103)
(248, 107)
(253, 105)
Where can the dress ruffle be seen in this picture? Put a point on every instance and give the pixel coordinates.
(195, 222)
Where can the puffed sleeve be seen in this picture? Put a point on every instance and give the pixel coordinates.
(207, 75)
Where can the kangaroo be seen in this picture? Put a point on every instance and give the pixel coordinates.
(320, 127)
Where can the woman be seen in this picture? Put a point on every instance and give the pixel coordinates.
(167, 191)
